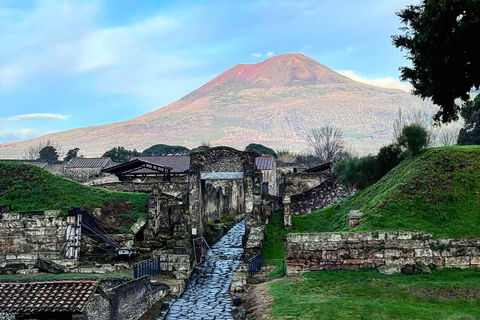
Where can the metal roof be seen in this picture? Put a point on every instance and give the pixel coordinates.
(319, 168)
(179, 164)
(88, 163)
(264, 162)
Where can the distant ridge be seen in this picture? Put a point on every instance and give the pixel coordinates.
(274, 102)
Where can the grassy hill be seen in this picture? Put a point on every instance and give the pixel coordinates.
(26, 187)
(436, 192)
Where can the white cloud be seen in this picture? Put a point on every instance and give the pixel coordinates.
(37, 116)
(387, 82)
(257, 55)
(270, 54)
(10, 76)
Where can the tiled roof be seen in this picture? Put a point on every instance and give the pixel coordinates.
(264, 162)
(87, 163)
(179, 164)
(48, 296)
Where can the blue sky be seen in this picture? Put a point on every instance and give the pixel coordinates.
(69, 64)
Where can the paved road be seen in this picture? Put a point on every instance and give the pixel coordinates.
(208, 296)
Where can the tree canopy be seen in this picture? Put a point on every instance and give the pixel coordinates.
(72, 153)
(120, 154)
(470, 133)
(260, 148)
(48, 154)
(164, 149)
(441, 37)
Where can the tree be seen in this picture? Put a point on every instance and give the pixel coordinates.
(441, 37)
(120, 154)
(48, 154)
(33, 152)
(164, 149)
(328, 143)
(260, 149)
(72, 153)
(414, 138)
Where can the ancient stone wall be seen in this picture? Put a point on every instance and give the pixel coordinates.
(388, 250)
(83, 174)
(296, 183)
(222, 197)
(327, 193)
(169, 187)
(23, 233)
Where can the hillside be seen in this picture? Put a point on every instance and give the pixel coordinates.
(436, 192)
(274, 103)
(28, 188)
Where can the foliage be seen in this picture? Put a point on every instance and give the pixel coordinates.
(120, 154)
(72, 153)
(434, 192)
(358, 172)
(328, 143)
(26, 187)
(367, 294)
(388, 158)
(48, 154)
(470, 133)
(164, 149)
(286, 156)
(33, 151)
(260, 149)
(274, 233)
(414, 138)
(441, 40)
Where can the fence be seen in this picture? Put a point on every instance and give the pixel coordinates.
(151, 267)
(254, 264)
(274, 268)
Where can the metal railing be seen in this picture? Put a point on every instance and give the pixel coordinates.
(151, 267)
(255, 264)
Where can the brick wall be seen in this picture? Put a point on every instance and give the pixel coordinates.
(393, 250)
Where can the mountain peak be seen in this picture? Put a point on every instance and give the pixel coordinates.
(287, 69)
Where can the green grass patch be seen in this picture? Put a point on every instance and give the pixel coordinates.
(29, 188)
(344, 294)
(274, 233)
(437, 192)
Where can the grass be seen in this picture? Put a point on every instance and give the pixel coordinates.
(366, 294)
(437, 192)
(274, 233)
(29, 188)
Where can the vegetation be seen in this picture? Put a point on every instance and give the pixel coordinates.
(260, 149)
(48, 154)
(435, 192)
(120, 154)
(367, 294)
(72, 153)
(33, 151)
(27, 188)
(328, 143)
(164, 149)
(470, 133)
(274, 233)
(441, 40)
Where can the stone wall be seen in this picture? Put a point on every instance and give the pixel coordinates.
(172, 188)
(127, 301)
(296, 183)
(389, 251)
(83, 174)
(222, 197)
(23, 233)
(327, 193)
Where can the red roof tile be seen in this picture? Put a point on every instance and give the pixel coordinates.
(48, 296)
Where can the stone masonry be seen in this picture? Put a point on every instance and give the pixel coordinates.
(388, 250)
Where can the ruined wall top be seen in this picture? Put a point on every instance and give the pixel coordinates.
(223, 159)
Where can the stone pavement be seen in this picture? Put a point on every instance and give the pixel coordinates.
(208, 296)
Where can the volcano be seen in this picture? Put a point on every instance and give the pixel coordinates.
(274, 102)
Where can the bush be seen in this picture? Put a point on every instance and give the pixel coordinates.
(414, 138)
(359, 172)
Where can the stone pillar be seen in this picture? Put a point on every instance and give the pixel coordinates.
(354, 217)
(195, 203)
(287, 214)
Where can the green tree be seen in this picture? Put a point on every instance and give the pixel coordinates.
(72, 153)
(414, 138)
(388, 158)
(48, 154)
(260, 149)
(164, 149)
(120, 154)
(441, 37)
(470, 133)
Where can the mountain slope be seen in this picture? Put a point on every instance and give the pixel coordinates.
(436, 192)
(274, 102)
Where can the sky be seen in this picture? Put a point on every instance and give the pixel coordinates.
(69, 64)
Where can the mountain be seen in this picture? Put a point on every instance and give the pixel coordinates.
(274, 102)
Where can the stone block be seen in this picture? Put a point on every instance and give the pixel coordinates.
(475, 260)
(457, 261)
(390, 253)
(28, 272)
(388, 269)
(425, 252)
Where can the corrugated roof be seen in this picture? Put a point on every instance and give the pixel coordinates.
(48, 296)
(264, 162)
(87, 163)
(179, 164)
